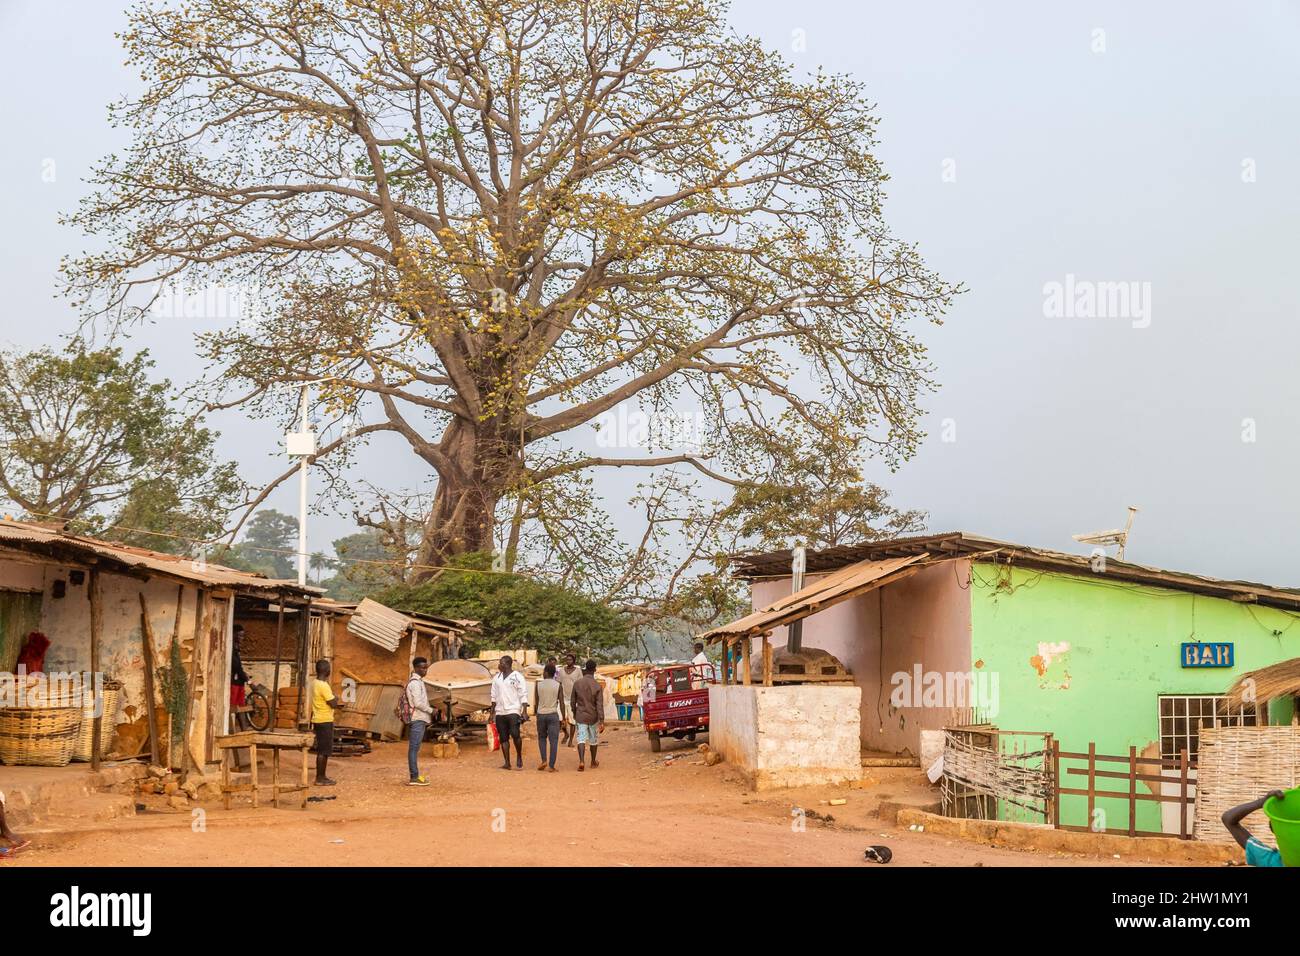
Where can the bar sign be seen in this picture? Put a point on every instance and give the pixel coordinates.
(1207, 655)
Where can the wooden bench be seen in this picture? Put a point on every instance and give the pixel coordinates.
(275, 742)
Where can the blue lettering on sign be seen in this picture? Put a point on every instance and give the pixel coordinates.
(1207, 655)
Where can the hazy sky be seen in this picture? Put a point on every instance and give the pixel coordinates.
(1156, 144)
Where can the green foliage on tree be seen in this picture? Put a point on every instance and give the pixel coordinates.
(366, 562)
(267, 547)
(515, 610)
(87, 437)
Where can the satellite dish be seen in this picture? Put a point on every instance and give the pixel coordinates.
(1105, 539)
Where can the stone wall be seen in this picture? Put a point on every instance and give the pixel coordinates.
(789, 736)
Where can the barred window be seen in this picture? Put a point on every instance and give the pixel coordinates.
(1183, 715)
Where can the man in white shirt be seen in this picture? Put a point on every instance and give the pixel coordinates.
(417, 695)
(698, 668)
(509, 707)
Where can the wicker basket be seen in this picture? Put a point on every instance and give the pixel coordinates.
(40, 737)
(112, 696)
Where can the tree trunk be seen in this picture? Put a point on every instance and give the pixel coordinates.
(461, 520)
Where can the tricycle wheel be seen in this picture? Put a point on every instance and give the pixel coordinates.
(654, 740)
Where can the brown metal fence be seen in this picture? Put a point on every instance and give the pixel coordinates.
(1135, 771)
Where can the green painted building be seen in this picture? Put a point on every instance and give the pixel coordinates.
(1092, 651)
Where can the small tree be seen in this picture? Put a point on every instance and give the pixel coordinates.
(514, 610)
(85, 436)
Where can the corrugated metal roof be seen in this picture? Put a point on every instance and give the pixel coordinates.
(378, 624)
(56, 544)
(961, 544)
(840, 586)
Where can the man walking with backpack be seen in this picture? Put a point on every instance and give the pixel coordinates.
(417, 713)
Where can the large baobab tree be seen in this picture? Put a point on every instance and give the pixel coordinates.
(487, 223)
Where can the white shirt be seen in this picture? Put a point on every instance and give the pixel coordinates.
(509, 692)
(698, 673)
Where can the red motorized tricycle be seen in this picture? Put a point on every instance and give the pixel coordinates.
(675, 701)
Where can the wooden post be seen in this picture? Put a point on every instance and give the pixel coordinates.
(227, 756)
(151, 711)
(306, 673)
(198, 658)
(305, 782)
(1132, 791)
(275, 679)
(95, 615)
(1182, 793)
(767, 660)
(1092, 782)
(252, 757)
(1056, 783)
(744, 655)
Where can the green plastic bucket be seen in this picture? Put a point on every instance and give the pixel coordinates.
(1284, 815)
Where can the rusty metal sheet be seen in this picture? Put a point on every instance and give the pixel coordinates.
(835, 587)
(57, 545)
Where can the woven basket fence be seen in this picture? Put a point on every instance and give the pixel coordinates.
(1237, 765)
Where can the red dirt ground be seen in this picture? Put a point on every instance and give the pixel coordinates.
(638, 809)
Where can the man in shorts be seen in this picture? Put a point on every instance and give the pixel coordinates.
(588, 705)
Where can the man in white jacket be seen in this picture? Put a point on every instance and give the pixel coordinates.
(417, 695)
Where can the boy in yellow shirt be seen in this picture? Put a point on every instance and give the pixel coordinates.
(323, 705)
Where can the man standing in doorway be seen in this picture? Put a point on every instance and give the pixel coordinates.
(588, 713)
(568, 676)
(417, 695)
(323, 705)
(509, 707)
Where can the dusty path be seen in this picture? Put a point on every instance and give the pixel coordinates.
(636, 810)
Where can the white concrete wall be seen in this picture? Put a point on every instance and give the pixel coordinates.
(790, 736)
(926, 620)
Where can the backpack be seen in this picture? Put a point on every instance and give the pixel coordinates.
(403, 711)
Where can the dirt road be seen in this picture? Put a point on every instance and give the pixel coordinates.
(638, 809)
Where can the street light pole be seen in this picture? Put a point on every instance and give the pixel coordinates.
(302, 445)
(302, 499)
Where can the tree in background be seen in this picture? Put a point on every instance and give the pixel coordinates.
(88, 438)
(515, 610)
(366, 562)
(817, 497)
(490, 225)
(268, 547)
(320, 562)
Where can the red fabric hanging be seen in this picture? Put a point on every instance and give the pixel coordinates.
(32, 656)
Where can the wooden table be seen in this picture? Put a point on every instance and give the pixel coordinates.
(275, 742)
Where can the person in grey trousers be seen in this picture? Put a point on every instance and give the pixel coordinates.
(548, 705)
